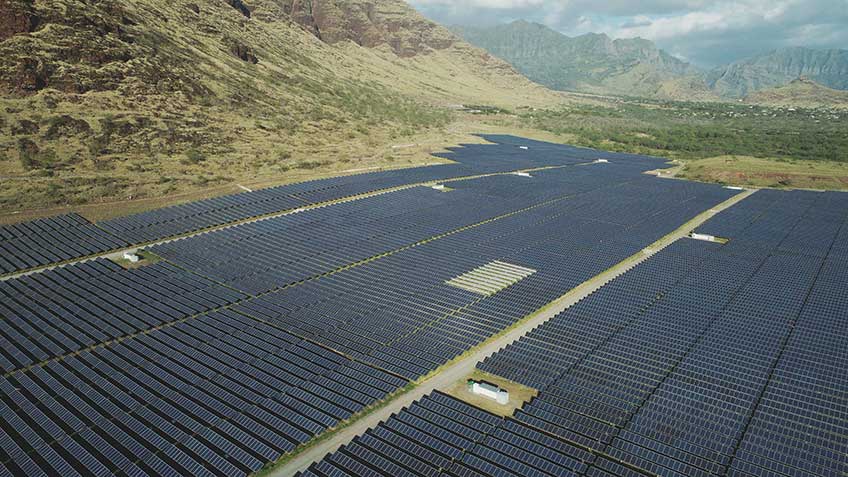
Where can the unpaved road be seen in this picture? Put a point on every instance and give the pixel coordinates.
(461, 368)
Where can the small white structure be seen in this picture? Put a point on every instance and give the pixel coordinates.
(522, 174)
(704, 237)
(131, 257)
(439, 187)
(489, 391)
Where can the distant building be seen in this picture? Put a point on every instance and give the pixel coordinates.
(489, 391)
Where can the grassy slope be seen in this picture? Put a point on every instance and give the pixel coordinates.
(759, 172)
(177, 116)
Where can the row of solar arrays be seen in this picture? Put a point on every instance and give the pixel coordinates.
(674, 395)
(51, 240)
(397, 313)
(71, 237)
(71, 320)
(706, 194)
(247, 257)
(181, 219)
(472, 160)
(61, 311)
(472, 323)
(442, 436)
(219, 395)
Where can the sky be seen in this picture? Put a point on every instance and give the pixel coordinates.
(704, 32)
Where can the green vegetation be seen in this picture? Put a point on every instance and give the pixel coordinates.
(193, 156)
(700, 130)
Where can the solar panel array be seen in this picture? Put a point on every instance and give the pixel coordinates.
(61, 238)
(51, 240)
(217, 395)
(215, 362)
(470, 160)
(707, 359)
(261, 256)
(390, 311)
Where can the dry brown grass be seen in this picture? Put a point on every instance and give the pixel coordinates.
(757, 172)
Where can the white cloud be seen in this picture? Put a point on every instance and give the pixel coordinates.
(706, 31)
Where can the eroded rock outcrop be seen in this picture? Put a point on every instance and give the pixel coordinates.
(17, 16)
(370, 23)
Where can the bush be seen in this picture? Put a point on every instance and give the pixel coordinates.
(284, 155)
(28, 152)
(310, 164)
(193, 157)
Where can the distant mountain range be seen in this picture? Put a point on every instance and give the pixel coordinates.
(595, 63)
(588, 63)
(778, 68)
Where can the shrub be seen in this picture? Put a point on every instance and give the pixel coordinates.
(192, 157)
(310, 164)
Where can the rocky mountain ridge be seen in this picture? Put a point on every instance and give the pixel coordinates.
(587, 63)
(595, 63)
(778, 68)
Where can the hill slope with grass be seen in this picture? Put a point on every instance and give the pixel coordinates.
(112, 100)
(802, 92)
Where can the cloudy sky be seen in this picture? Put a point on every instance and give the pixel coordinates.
(704, 32)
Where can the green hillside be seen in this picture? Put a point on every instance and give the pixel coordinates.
(591, 63)
(802, 92)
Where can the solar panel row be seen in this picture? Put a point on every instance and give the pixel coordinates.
(61, 311)
(248, 257)
(51, 240)
(470, 160)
